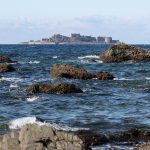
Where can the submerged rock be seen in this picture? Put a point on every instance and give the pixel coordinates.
(71, 72)
(104, 76)
(45, 137)
(122, 52)
(6, 68)
(4, 59)
(53, 88)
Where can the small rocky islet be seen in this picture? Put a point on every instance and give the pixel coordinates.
(71, 72)
(122, 52)
(46, 137)
(53, 88)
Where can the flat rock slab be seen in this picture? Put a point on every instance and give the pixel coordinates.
(53, 88)
(122, 52)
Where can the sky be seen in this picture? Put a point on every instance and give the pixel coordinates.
(126, 20)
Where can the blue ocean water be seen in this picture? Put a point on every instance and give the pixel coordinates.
(105, 106)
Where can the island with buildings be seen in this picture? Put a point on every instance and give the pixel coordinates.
(74, 39)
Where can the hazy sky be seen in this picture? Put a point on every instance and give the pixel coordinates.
(126, 20)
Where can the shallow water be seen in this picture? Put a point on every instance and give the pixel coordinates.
(105, 106)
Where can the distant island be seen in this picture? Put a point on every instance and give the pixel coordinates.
(74, 39)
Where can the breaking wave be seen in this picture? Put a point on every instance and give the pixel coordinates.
(20, 122)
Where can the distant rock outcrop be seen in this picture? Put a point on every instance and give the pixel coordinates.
(71, 72)
(6, 68)
(122, 52)
(4, 59)
(53, 88)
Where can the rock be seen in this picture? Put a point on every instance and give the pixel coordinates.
(53, 88)
(131, 136)
(92, 139)
(122, 52)
(104, 76)
(145, 146)
(6, 68)
(4, 59)
(45, 137)
(71, 72)
(68, 71)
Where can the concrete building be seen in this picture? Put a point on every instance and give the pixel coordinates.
(101, 40)
(108, 40)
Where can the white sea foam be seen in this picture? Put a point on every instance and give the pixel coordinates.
(13, 86)
(18, 123)
(30, 62)
(13, 79)
(89, 57)
(123, 79)
(55, 57)
(34, 62)
(108, 146)
(31, 99)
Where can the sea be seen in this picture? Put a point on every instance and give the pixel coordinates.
(105, 106)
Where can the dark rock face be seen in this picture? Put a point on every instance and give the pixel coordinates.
(53, 88)
(71, 72)
(92, 139)
(104, 76)
(131, 136)
(121, 53)
(6, 68)
(36, 137)
(68, 71)
(5, 59)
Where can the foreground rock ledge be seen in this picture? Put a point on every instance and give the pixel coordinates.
(6, 68)
(46, 137)
(71, 72)
(122, 52)
(36, 137)
(4, 59)
(53, 88)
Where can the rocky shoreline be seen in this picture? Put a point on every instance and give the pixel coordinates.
(45, 137)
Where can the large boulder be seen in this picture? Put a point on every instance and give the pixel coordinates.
(4, 59)
(45, 137)
(71, 72)
(122, 52)
(53, 88)
(6, 68)
(68, 71)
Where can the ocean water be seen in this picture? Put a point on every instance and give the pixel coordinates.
(105, 106)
